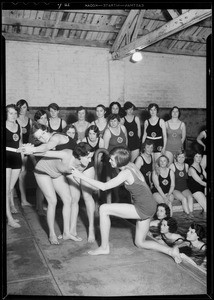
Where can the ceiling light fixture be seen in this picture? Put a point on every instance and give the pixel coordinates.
(136, 56)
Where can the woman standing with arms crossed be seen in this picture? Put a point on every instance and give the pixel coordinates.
(142, 209)
(176, 134)
(13, 159)
(155, 130)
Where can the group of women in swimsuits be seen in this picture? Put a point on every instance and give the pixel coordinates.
(71, 166)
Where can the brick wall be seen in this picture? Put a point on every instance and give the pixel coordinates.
(73, 76)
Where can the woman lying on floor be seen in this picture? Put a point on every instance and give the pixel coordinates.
(142, 209)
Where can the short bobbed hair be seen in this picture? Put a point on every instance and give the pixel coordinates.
(82, 149)
(113, 116)
(167, 210)
(122, 156)
(147, 142)
(94, 128)
(153, 105)
(171, 222)
(14, 106)
(53, 106)
(21, 102)
(179, 111)
(199, 229)
(39, 114)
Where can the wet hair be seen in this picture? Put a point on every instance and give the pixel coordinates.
(82, 149)
(179, 111)
(53, 106)
(171, 222)
(71, 126)
(113, 116)
(199, 229)
(167, 210)
(14, 106)
(146, 143)
(21, 102)
(122, 156)
(94, 128)
(39, 114)
(128, 105)
(153, 105)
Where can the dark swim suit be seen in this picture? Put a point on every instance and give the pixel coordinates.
(193, 185)
(143, 200)
(26, 133)
(181, 178)
(154, 134)
(71, 144)
(146, 170)
(55, 130)
(132, 130)
(164, 183)
(13, 159)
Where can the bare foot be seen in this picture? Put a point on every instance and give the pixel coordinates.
(13, 210)
(13, 224)
(91, 237)
(70, 236)
(99, 251)
(53, 240)
(25, 203)
(176, 255)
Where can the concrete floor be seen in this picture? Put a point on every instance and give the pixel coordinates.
(34, 267)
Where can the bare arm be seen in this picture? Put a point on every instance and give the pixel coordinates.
(144, 132)
(197, 178)
(201, 135)
(137, 120)
(172, 186)
(156, 183)
(163, 126)
(139, 162)
(183, 128)
(106, 138)
(116, 181)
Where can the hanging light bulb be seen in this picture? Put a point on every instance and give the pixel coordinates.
(136, 56)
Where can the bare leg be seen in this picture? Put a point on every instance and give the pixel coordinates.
(201, 199)
(89, 202)
(142, 228)
(178, 195)
(189, 197)
(46, 185)
(22, 186)
(11, 178)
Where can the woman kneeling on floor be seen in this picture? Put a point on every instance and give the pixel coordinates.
(142, 209)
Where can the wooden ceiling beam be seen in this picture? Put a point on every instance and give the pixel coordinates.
(59, 25)
(173, 13)
(124, 29)
(56, 40)
(182, 22)
(111, 12)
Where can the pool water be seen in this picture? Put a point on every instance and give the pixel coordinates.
(198, 256)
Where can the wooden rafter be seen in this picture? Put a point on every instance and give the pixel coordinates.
(57, 25)
(173, 13)
(125, 30)
(185, 20)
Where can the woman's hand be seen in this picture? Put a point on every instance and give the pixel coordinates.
(75, 172)
(26, 149)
